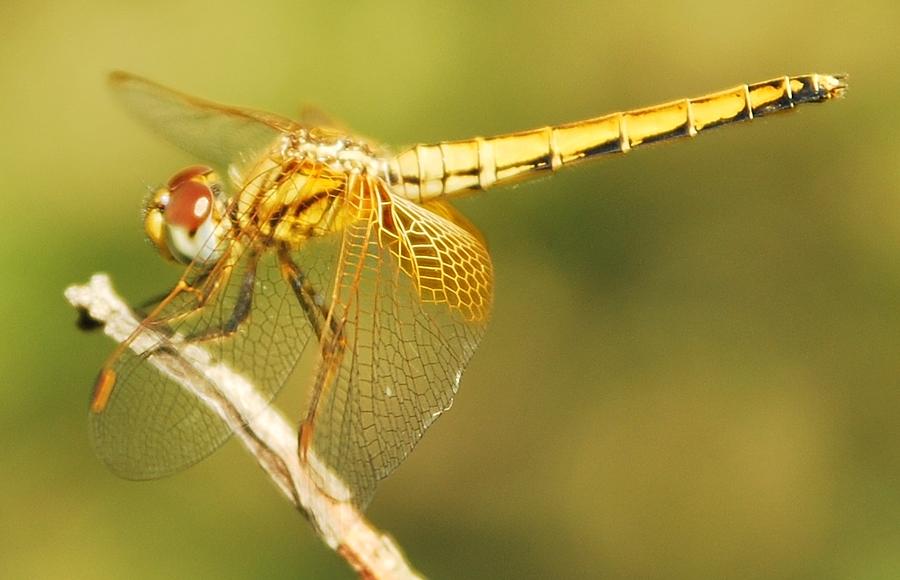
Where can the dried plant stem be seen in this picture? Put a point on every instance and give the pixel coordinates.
(270, 438)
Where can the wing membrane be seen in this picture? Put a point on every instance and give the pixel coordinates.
(219, 134)
(411, 304)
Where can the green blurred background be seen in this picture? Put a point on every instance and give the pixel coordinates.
(692, 369)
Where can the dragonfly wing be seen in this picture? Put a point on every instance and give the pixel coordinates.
(150, 426)
(219, 134)
(313, 116)
(410, 304)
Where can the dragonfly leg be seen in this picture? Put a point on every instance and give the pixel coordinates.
(329, 331)
(333, 349)
(87, 323)
(148, 305)
(242, 306)
(311, 300)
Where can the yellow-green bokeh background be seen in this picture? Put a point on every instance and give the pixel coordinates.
(693, 365)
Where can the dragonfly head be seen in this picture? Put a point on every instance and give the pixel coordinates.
(185, 219)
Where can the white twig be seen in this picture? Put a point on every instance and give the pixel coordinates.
(268, 436)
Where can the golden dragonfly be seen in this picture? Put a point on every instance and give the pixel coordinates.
(299, 236)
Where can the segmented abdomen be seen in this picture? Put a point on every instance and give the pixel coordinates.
(424, 172)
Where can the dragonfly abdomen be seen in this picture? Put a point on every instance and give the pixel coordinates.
(424, 172)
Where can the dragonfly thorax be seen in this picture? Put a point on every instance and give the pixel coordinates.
(298, 188)
(335, 150)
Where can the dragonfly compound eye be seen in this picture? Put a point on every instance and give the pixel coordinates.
(192, 172)
(190, 203)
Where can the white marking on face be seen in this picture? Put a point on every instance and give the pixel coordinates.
(204, 245)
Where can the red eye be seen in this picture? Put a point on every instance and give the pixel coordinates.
(187, 174)
(189, 205)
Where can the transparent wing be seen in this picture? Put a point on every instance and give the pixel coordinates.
(313, 116)
(409, 307)
(242, 313)
(216, 133)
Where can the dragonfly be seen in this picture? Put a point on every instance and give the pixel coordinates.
(300, 237)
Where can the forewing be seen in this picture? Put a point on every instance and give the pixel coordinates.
(313, 116)
(220, 134)
(409, 307)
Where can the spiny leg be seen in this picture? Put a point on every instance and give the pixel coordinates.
(242, 305)
(239, 313)
(203, 288)
(333, 348)
(88, 323)
(331, 338)
(311, 301)
(148, 305)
